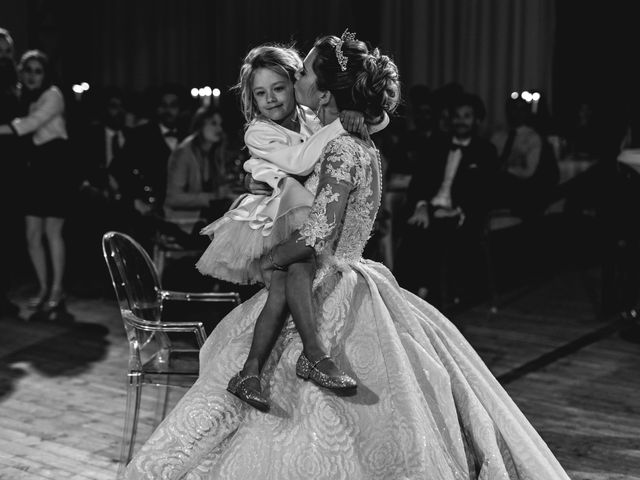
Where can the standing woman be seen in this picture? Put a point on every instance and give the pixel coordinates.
(48, 177)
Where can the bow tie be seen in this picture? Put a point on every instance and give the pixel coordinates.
(454, 146)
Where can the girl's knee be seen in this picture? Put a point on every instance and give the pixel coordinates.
(303, 268)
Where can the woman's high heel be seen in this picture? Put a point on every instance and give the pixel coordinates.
(55, 302)
(36, 303)
(309, 371)
(238, 387)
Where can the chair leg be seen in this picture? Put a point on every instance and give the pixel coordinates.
(161, 403)
(159, 259)
(130, 421)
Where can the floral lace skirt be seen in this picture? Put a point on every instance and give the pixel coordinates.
(426, 404)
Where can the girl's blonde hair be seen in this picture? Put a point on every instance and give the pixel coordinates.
(283, 60)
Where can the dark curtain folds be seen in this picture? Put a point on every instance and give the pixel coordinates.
(490, 47)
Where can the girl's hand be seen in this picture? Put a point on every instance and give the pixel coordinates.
(255, 187)
(266, 270)
(352, 121)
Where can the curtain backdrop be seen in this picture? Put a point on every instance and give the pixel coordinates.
(490, 47)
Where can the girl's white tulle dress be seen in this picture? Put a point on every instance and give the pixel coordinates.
(257, 223)
(426, 406)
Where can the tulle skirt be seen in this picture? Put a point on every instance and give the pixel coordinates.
(254, 225)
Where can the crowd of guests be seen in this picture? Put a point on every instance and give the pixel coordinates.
(74, 169)
(462, 173)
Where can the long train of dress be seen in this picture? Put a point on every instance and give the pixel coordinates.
(426, 407)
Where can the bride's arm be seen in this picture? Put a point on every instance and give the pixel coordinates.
(318, 234)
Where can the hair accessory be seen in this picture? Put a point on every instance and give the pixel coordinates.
(342, 60)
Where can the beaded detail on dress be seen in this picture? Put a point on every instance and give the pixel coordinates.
(349, 171)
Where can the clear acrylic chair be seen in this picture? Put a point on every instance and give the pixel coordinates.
(161, 353)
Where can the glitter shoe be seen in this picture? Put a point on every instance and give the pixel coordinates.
(251, 396)
(309, 371)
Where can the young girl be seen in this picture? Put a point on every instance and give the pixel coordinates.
(283, 140)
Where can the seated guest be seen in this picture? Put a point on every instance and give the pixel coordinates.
(198, 191)
(448, 197)
(422, 126)
(528, 168)
(623, 231)
(101, 207)
(141, 169)
(101, 143)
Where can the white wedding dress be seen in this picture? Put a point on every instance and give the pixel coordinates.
(426, 406)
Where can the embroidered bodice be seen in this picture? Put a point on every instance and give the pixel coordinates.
(347, 186)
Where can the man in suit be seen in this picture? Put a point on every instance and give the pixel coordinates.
(141, 170)
(448, 202)
(101, 207)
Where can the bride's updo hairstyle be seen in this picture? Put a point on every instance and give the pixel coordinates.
(359, 79)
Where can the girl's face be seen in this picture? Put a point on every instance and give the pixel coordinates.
(32, 74)
(307, 93)
(212, 128)
(273, 94)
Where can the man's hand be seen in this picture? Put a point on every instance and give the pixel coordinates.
(420, 217)
(142, 207)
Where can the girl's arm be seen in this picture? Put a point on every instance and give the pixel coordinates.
(51, 104)
(267, 143)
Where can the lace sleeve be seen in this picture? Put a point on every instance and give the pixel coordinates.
(339, 173)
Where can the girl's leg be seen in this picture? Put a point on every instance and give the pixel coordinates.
(299, 298)
(53, 231)
(246, 384)
(34, 232)
(268, 326)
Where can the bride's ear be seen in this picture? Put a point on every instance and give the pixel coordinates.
(325, 98)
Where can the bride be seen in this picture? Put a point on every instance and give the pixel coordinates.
(426, 406)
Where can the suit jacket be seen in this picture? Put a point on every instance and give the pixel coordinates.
(471, 185)
(142, 167)
(93, 156)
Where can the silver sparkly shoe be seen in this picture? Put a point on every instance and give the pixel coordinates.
(253, 397)
(307, 370)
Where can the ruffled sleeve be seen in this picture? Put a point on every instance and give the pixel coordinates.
(288, 152)
(341, 171)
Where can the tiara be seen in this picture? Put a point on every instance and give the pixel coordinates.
(342, 60)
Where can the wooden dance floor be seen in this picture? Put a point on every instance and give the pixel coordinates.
(62, 392)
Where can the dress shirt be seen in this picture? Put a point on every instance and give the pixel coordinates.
(443, 197)
(170, 137)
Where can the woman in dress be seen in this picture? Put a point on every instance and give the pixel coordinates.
(49, 181)
(426, 405)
